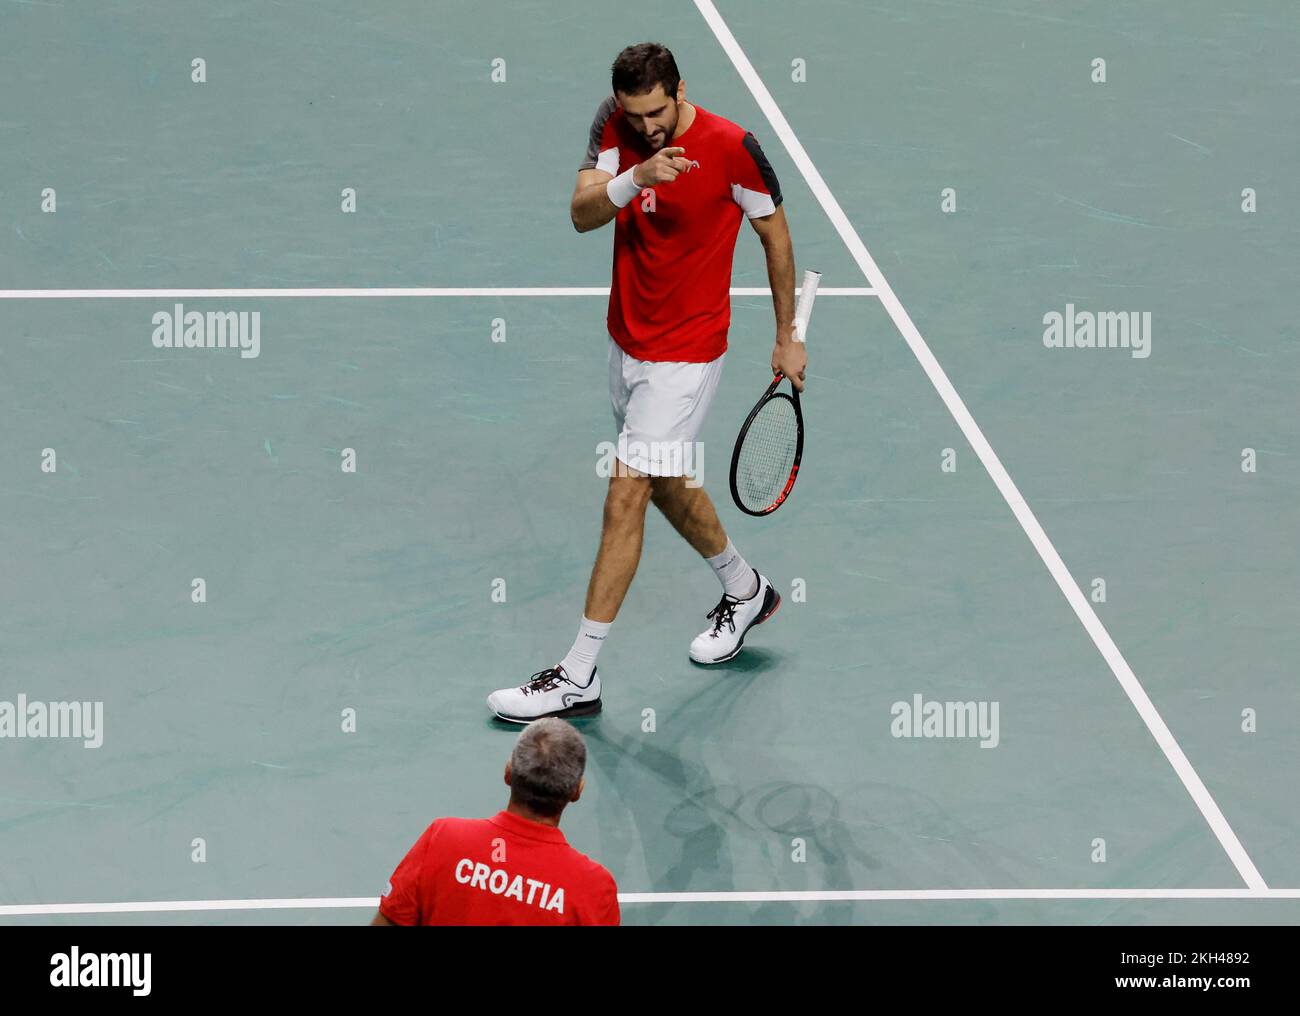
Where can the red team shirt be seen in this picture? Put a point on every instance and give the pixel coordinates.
(669, 299)
(499, 870)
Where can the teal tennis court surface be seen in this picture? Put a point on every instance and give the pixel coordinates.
(1100, 541)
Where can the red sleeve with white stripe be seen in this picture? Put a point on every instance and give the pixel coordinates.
(753, 183)
(602, 142)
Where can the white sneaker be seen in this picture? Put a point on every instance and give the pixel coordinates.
(732, 618)
(547, 693)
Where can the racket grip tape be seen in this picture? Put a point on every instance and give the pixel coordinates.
(803, 309)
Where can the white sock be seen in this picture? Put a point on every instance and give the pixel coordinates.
(581, 660)
(737, 577)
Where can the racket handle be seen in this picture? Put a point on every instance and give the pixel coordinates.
(803, 309)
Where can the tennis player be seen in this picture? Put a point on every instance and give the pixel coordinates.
(676, 180)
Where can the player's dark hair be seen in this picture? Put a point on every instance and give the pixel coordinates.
(639, 68)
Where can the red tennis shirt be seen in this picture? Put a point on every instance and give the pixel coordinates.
(499, 870)
(674, 243)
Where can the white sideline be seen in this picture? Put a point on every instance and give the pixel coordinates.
(1082, 608)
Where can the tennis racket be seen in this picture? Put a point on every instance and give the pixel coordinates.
(766, 460)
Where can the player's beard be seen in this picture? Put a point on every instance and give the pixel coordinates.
(665, 135)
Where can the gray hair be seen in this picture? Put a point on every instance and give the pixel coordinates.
(547, 764)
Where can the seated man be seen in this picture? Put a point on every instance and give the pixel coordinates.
(515, 867)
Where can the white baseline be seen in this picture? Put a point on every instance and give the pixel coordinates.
(776, 896)
(371, 291)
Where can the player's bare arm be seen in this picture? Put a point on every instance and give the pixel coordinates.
(591, 207)
(789, 358)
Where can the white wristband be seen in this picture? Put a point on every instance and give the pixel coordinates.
(622, 189)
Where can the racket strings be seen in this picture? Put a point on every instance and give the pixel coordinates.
(767, 454)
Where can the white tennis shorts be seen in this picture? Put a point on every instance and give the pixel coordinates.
(659, 410)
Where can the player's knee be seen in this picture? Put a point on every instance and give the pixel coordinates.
(628, 496)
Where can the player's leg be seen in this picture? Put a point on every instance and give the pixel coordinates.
(685, 393)
(622, 529)
(690, 511)
(572, 687)
(748, 598)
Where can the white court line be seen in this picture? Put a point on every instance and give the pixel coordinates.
(1082, 608)
(795, 896)
(265, 294)
(924, 895)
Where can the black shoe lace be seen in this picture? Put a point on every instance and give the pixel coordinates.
(545, 680)
(724, 613)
